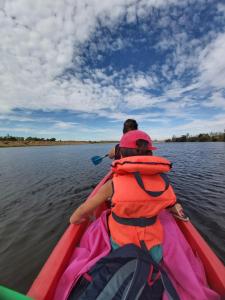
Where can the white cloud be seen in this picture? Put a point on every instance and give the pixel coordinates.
(212, 63)
(131, 16)
(216, 123)
(39, 40)
(142, 82)
(16, 129)
(18, 117)
(65, 125)
(121, 116)
(217, 100)
(193, 127)
(221, 8)
(138, 100)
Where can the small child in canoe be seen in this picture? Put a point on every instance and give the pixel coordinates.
(139, 190)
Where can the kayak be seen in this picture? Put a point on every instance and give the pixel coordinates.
(8, 294)
(44, 286)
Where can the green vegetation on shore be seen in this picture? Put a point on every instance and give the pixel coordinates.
(202, 137)
(10, 138)
(16, 141)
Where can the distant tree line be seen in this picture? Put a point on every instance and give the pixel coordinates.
(11, 138)
(202, 137)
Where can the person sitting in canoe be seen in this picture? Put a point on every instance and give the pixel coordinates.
(139, 190)
(128, 125)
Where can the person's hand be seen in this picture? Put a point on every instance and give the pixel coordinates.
(178, 210)
(111, 153)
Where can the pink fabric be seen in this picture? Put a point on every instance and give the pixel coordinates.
(94, 244)
(184, 269)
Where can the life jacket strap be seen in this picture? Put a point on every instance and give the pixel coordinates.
(138, 178)
(140, 222)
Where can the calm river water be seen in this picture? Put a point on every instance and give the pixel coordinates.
(41, 186)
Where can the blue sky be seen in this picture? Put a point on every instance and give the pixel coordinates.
(77, 69)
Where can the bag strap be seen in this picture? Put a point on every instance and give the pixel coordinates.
(118, 279)
(139, 260)
(139, 180)
(136, 269)
(141, 276)
(167, 283)
(139, 279)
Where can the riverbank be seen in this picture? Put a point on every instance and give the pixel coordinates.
(4, 144)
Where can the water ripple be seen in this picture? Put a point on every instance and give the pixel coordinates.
(41, 186)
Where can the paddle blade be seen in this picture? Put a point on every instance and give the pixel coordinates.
(96, 160)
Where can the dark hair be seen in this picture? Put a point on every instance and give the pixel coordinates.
(142, 149)
(129, 125)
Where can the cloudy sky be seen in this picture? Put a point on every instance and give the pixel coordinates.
(76, 69)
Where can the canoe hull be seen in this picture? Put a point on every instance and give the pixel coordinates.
(44, 286)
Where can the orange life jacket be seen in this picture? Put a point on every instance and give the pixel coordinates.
(141, 191)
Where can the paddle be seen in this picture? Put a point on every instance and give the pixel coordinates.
(97, 159)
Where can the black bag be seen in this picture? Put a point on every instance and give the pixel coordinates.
(127, 273)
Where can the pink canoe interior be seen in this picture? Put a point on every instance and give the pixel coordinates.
(44, 286)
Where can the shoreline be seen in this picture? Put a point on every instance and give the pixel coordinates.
(9, 144)
(13, 144)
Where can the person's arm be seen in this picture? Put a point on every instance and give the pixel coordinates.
(111, 153)
(85, 209)
(175, 207)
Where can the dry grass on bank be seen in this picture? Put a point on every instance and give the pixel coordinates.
(44, 143)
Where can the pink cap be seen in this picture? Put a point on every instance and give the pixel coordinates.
(129, 139)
